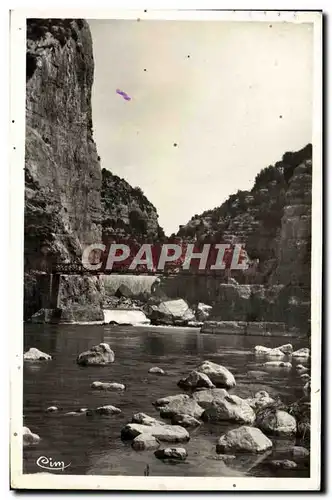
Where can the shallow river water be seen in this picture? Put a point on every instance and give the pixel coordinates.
(93, 445)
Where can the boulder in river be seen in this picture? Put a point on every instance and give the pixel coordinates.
(267, 351)
(302, 369)
(283, 464)
(108, 386)
(34, 354)
(181, 407)
(205, 397)
(203, 311)
(243, 439)
(107, 410)
(218, 374)
(145, 442)
(194, 380)
(286, 348)
(278, 364)
(169, 433)
(171, 312)
(52, 409)
(172, 453)
(260, 400)
(157, 371)
(100, 354)
(299, 452)
(302, 353)
(230, 408)
(179, 398)
(186, 421)
(29, 438)
(77, 413)
(143, 418)
(274, 421)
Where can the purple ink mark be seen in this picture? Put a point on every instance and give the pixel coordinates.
(123, 94)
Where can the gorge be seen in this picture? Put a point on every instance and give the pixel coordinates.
(70, 202)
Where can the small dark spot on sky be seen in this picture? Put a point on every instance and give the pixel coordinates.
(15, 434)
(270, 26)
(138, 19)
(145, 11)
(144, 69)
(175, 145)
(188, 57)
(13, 121)
(280, 116)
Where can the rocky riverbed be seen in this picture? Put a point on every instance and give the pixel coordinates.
(115, 416)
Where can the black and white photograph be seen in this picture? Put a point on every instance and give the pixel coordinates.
(169, 171)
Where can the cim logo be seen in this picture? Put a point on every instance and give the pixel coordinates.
(49, 464)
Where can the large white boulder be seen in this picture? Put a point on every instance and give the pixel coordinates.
(34, 354)
(243, 439)
(169, 433)
(218, 374)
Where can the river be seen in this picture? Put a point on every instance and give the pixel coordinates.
(93, 445)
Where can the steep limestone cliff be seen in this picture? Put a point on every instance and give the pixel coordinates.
(273, 220)
(126, 212)
(62, 171)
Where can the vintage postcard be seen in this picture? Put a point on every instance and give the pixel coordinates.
(166, 200)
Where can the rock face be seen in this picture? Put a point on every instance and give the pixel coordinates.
(273, 221)
(230, 408)
(62, 172)
(126, 212)
(243, 439)
(100, 354)
(218, 374)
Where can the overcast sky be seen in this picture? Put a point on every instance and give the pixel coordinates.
(212, 103)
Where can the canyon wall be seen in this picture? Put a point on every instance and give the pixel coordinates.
(62, 171)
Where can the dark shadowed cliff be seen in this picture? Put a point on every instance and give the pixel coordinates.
(126, 212)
